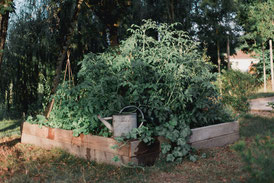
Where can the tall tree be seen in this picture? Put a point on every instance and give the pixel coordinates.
(36, 39)
(62, 55)
(6, 6)
(214, 22)
(257, 21)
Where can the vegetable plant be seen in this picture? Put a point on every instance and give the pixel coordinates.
(160, 70)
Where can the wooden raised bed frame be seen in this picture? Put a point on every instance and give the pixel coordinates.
(214, 135)
(100, 149)
(96, 148)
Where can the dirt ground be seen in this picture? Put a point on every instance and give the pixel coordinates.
(27, 163)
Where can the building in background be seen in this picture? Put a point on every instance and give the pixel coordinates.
(242, 61)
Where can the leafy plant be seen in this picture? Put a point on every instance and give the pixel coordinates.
(271, 104)
(159, 69)
(259, 67)
(236, 87)
(258, 158)
(6, 6)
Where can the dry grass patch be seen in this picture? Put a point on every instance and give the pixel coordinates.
(27, 163)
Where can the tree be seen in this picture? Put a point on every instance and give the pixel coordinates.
(36, 39)
(65, 47)
(214, 21)
(256, 17)
(6, 6)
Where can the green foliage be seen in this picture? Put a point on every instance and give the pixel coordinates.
(40, 119)
(255, 125)
(213, 19)
(259, 158)
(9, 127)
(236, 87)
(256, 18)
(159, 69)
(6, 6)
(34, 42)
(271, 104)
(259, 67)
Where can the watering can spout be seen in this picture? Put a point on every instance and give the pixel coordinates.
(107, 124)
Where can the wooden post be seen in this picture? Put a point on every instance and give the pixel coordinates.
(218, 55)
(271, 64)
(264, 68)
(228, 53)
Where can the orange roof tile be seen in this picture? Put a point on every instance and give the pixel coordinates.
(241, 55)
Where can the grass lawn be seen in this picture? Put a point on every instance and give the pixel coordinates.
(9, 128)
(262, 95)
(27, 163)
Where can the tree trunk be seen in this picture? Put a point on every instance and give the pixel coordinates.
(4, 21)
(113, 35)
(228, 53)
(218, 55)
(264, 68)
(271, 64)
(171, 10)
(62, 54)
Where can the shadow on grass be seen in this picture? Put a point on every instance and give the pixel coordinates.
(12, 126)
(252, 126)
(11, 143)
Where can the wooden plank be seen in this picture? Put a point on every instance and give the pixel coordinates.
(89, 154)
(61, 135)
(80, 151)
(91, 141)
(216, 141)
(33, 129)
(212, 131)
(66, 136)
(139, 148)
(105, 145)
(39, 141)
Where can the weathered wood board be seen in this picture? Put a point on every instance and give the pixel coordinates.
(214, 135)
(100, 149)
(96, 148)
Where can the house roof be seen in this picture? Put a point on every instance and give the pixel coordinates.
(241, 55)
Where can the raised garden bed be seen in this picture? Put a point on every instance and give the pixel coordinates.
(100, 149)
(97, 148)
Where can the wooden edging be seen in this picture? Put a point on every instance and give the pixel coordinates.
(91, 147)
(214, 135)
(101, 149)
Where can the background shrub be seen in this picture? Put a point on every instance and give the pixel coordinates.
(236, 87)
(259, 68)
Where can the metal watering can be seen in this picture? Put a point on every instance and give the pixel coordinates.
(122, 123)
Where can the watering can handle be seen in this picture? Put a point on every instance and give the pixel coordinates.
(132, 106)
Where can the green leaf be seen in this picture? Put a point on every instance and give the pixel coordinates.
(116, 159)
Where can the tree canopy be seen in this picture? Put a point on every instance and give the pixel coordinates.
(42, 32)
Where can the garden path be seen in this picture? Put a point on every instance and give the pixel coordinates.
(260, 104)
